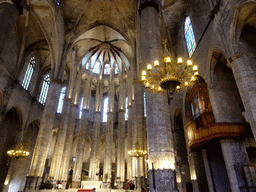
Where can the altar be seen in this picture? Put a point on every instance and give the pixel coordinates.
(91, 184)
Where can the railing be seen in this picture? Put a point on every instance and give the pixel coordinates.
(209, 130)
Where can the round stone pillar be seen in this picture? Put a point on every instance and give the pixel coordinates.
(8, 15)
(80, 148)
(44, 135)
(245, 79)
(160, 143)
(63, 175)
(59, 146)
(94, 161)
(107, 170)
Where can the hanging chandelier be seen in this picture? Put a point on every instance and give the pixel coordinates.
(170, 75)
(137, 151)
(19, 152)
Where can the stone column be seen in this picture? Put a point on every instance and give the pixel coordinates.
(80, 148)
(121, 134)
(192, 167)
(120, 148)
(236, 160)
(129, 142)
(45, 130)
(160, 144)
(68, 146)
(81, 139)
(245, 79)
(208, 171)
(94, 161)
(60, 141)
(107, 172)
(8, 14)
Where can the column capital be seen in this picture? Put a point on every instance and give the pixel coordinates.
(233, 58)
(147, 3)
(121, 110)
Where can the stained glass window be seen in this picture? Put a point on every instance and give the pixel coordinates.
(29, 72)
(189, 36)
(116, 69)
(105, 109)
(61, 100)
(44, 90)
(126, 108)
(96, 68)
(107, 69)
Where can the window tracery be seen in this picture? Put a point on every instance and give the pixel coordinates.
(189, 36)
(61, 100)
(44, 90)
(29, 73)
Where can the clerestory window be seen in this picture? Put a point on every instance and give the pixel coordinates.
(44, 90)
(189, 36)
(29, 73)
(105, 110)
(126, 108)
(61, 100)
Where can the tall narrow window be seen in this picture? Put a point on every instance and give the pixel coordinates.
(81, 108)
(29, 72)
(44, 90)
(116, 69)
(61, 100)
(145, 107)
(189, 36)
(96, 68)
(105, 109)
(107, 69)
(126, 108)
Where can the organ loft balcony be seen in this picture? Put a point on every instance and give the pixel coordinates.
(202, 128)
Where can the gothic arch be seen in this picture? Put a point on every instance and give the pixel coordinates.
(242, 13)
(10, 132)
(211, 63)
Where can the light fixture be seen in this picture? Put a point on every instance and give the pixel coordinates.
(137, 151)
(169, 75)
(19, 152)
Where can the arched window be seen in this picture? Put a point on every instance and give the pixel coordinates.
(81, 108)
(44, 90)
(96, 68)
(107, 69)
(116, 69)
(61, 100)
(189, 36)
(29, 72)
(126, 108)
(105, 109)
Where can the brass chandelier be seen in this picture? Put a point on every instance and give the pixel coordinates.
(19, 152)
(170, 75)
(137, 151)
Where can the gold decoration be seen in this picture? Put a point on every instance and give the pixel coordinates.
(19, 152)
